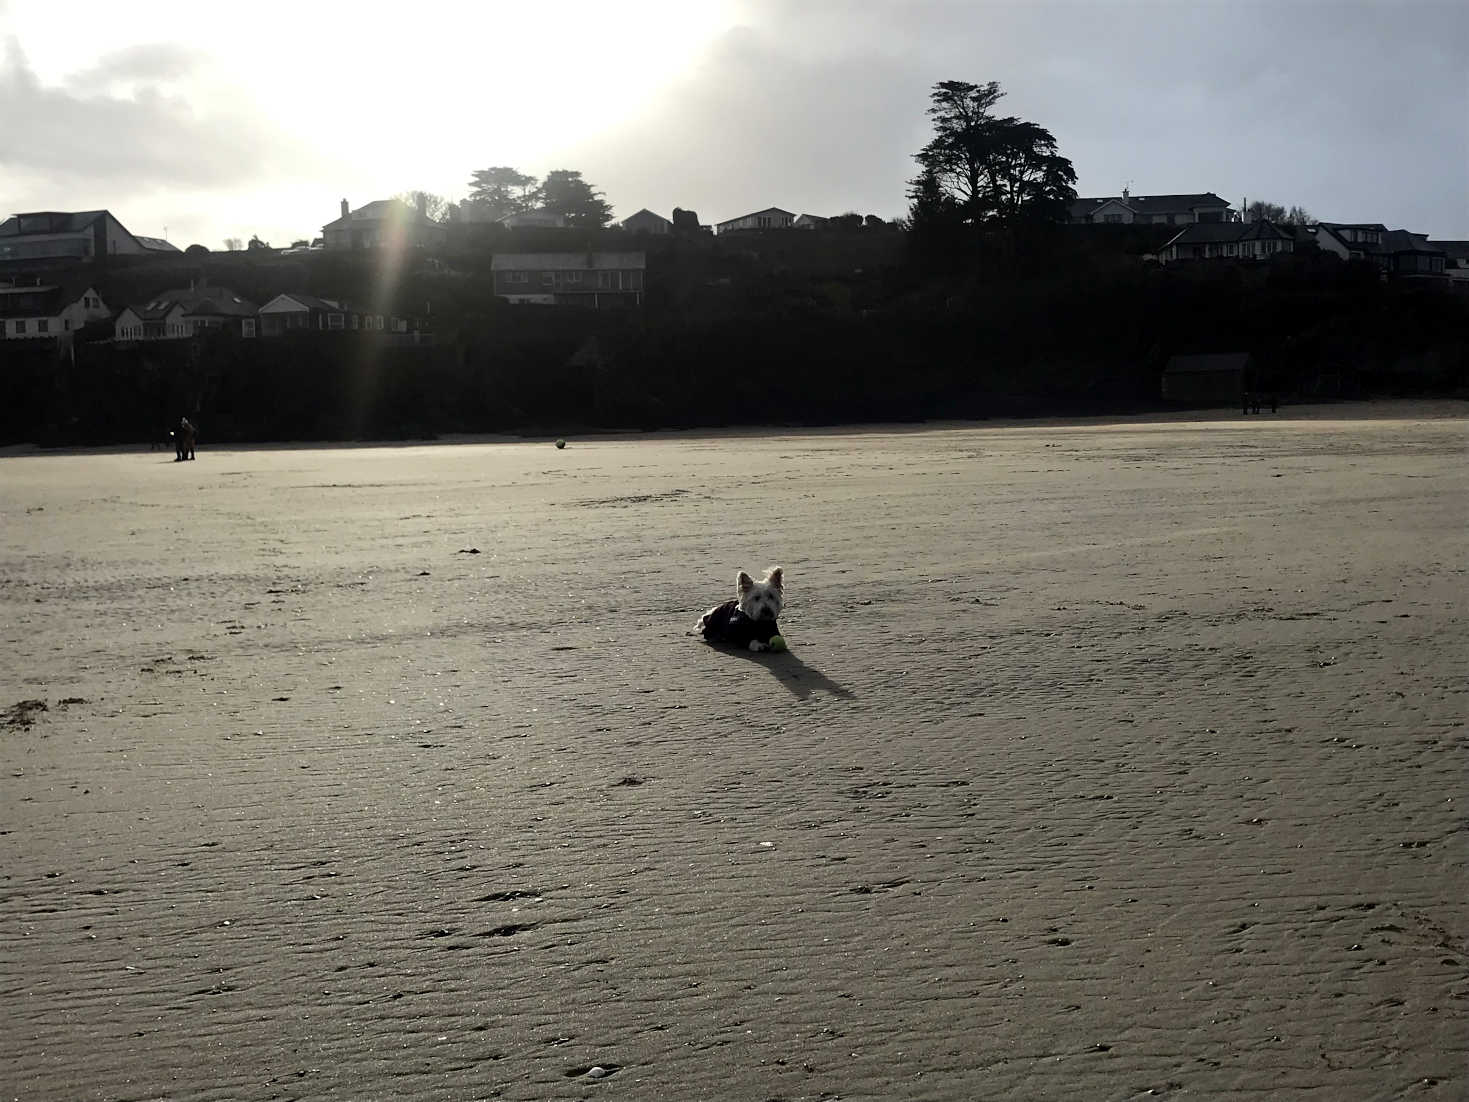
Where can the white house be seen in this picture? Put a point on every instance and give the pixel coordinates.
(186, 312)
(808, 222)
(1164, 210)
(78, 235)
(591, 279)
(771, 218)
(383, 222)
(35, 309)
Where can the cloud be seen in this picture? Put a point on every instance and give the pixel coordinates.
(139, 119)
(758, 122)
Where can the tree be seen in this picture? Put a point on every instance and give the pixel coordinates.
(233, 244)
(498, 191)
(566, 193)
(685, 221)
(988, 170)
(434, 207)
(256, 243)
(196, 250)
(1261, 211)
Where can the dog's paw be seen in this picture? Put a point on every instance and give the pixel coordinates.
(756, 645)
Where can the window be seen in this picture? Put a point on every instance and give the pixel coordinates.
(517, 277)
(247, 327)
(609, 281)
(379, 325)
(572, 277)
(66, 324)
(548, 279)
(632, 281)
(356, 320)
(1112, 218)
(20, 328)
(335, 321)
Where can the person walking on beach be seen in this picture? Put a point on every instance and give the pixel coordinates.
(184, 440)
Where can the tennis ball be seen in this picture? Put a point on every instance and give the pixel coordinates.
(777, 642)
(561, 443)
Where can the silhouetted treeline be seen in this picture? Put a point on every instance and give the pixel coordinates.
(779, 328)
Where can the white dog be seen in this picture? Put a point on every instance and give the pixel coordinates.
(750, 619)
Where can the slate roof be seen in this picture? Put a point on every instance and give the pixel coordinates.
(1150, 204)
(1205, 233)
(156, 244)
(198, 302)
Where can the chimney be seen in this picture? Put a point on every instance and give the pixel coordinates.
(345, 209)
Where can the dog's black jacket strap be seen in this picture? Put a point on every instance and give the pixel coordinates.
(727, 624)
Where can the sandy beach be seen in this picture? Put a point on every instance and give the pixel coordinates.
(1110, 760)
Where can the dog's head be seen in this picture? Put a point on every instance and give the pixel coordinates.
(761, 600)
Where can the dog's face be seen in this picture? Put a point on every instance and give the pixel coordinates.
(761, 600)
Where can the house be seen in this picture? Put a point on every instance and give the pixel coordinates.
(34, 308)
(187, 312)
(1225, 240)
(383, 223)
(1456, 262)
(297, 312)
(79, 235)
(1395, 252)
(771, 218)
(808, 222)
(541, 218)
(591, 279)
(1165, 210)
(1217, 378)
(645, 221)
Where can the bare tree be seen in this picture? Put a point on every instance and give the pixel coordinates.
(434, 206)
(233, 244)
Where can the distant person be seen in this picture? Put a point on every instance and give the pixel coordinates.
(184, 440)
(1244, 403)
(1274, 403)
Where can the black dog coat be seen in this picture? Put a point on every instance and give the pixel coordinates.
(727, 624)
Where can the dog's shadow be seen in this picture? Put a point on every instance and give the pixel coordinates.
(798, 679)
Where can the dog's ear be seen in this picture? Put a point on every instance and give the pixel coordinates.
(774, 576)
(744, 583)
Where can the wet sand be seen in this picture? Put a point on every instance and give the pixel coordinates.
(1109, 761)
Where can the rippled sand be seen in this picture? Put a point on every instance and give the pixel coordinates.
(1108, 759)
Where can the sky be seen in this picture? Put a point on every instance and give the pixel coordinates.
(202, 122)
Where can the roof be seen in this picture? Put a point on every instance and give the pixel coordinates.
(198, 302)
(41, 300)
(308, 302)
(1150, 204)
(1401, 241)
(1207, 363)
(1203, 233)
(156, 244)
(756, 214)
(567, 262)
(649, 213)
(48, 221)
